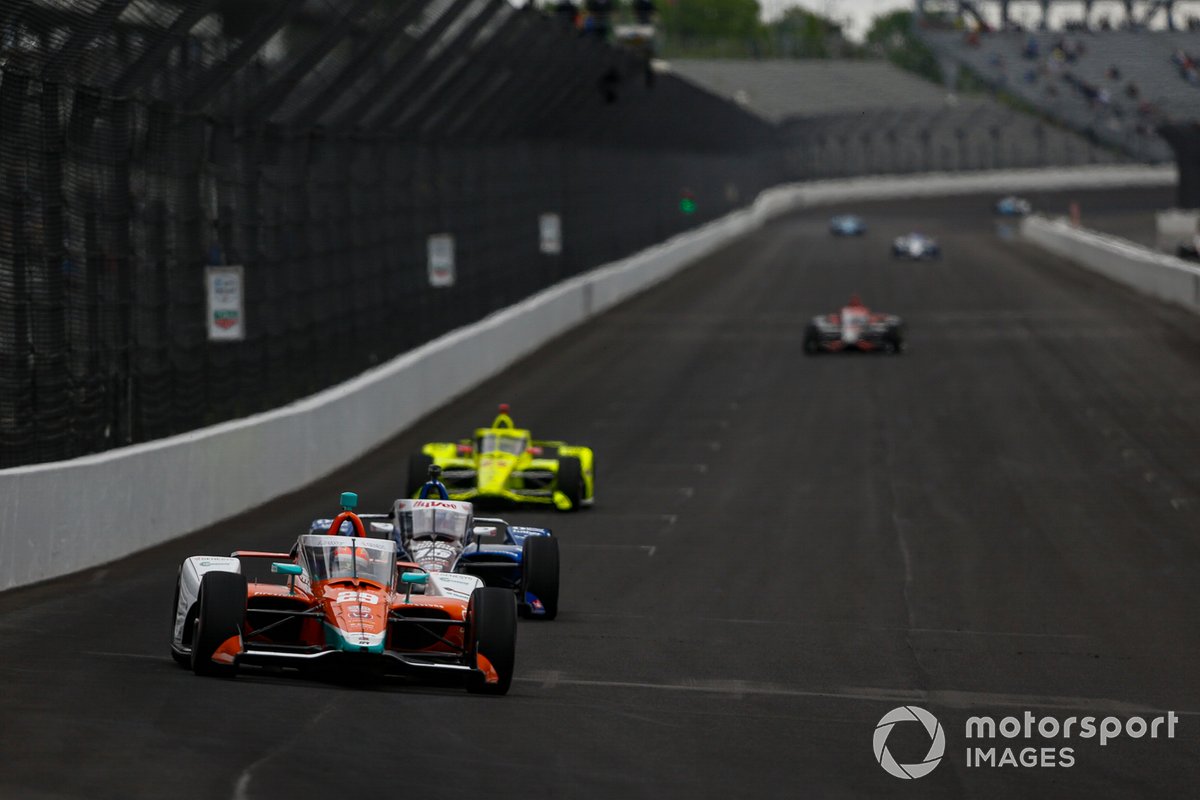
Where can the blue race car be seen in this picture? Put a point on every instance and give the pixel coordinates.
(1013, 206)
(444, 537)
(847, 225)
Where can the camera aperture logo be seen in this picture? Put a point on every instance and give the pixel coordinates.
(996, 742)
(937, 742)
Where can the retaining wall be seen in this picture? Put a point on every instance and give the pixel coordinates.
(62, 517)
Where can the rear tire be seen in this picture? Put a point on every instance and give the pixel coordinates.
(418, 473)
(492, 633)
(222, 614)
(539, 572)
(570, 480)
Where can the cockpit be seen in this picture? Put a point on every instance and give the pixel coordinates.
(329, 558)
(501, 443)
(445, 521)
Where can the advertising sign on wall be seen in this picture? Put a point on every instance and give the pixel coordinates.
(441, 260)
(225, 309)
(550, 227)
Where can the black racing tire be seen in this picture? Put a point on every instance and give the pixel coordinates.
(222, 613)
(492, 632)
(539, 572)
(570, 480)
(812, 344)
(418, 473)
(182, 659)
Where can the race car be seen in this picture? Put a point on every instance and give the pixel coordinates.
(502, 463)
(855, 328)
(442, 535)
(344, 607)
(847, 225)
(915, 246)
(1013, 206)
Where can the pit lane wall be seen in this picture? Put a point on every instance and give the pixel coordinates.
(1156, 274)
(63, 517)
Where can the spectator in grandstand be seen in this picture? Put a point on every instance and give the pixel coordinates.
(1030, 50)
(1132, 91)
(1113, 73)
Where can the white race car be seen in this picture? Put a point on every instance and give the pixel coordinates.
(915, 246)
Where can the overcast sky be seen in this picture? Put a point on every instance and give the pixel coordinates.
(858, 13)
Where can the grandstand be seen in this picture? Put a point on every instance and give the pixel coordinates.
(1129, 14)
(843, 118)
(1118, 86)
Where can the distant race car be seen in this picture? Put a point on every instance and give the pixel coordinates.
(847, 225)
(915, 246)
(344, 607)
(1013, 206)
(503, 463)
(856, 327)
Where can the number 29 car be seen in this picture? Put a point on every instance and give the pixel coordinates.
(346, 605)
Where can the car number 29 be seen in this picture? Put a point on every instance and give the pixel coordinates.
(357, 597)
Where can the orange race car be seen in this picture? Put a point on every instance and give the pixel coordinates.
(346, 606)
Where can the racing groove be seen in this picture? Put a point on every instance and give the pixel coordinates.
(783, 549)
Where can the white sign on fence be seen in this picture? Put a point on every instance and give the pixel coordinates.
(550, 226)
(225, 309)
(441, 260)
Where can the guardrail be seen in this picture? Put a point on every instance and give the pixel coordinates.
(1158, 275)
(67, 516)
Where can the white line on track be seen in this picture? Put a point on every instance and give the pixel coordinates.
(649, 548)
(687, 492)
(685, 465)
(739, 689)
(845, 625)
(109, 654)
(667, 519)
(241, 788)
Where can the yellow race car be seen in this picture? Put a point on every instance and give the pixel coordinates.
(503, 463)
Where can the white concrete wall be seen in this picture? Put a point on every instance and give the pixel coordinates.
(63, 517)
(1161, 276)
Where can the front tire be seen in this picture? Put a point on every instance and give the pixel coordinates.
(492, 633)
(222, 604)
(539, 572)
(418, 473)
(570, 480)
(811, 344)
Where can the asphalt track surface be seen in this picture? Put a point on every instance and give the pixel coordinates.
(783, 550)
